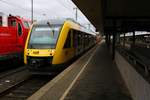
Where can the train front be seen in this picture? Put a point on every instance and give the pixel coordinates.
(40, 46)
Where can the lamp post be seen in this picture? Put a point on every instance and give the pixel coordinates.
(44, 15)
(89, 26)
(76, 13)
(32, 11)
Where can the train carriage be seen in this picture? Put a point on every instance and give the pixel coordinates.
(55, 42)
(13, 33)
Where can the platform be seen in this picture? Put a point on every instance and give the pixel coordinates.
(99, 81)
(93, 77)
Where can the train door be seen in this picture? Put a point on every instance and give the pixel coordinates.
(75, 42)
(82, 42)
(79, 43)
(68, 46)
(11, 35)
(85, 42)
(19, 36)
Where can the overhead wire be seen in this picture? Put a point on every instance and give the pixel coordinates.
(66, 7)
(17, 6)
(74, 6)
(14, 5)
(60, 2)
(85, 18)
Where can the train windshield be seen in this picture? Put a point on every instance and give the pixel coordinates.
(26, 24)
(44, 37)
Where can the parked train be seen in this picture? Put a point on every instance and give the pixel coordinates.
(142, 39)
(55, 42)
(13, 34)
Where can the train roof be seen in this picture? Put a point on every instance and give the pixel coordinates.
(61, 22)
(55, 21)
(51, 21)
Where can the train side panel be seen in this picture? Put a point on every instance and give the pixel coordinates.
(71, 42)
(7, 40)
(64, 53)
(12, 38)
(26, 45)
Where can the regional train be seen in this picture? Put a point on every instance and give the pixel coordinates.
(13, 34)
(54, 43)
(142, 39)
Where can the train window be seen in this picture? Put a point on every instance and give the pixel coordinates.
(68, 40)
(44, 36)
(11, 22)
(19, 29)
(75, 39)
(79, 39)
(1, 21)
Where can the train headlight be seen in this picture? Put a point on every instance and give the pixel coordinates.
(28, 52)
(53, 51)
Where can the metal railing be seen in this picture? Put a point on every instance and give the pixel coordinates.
(135, 60)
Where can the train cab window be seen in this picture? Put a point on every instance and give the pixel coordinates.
(26, 24)
(11, 22)
(44, 36)
(68, 40)
(19, 29)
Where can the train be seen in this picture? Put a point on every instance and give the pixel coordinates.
(142, 39)
(52, 43)
(13, 34)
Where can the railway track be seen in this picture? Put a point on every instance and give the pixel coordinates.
(26, 88)
(10, 64)
(19, 84)
(12, 71)
(11, 78)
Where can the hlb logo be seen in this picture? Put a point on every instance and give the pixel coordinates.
(35, 52)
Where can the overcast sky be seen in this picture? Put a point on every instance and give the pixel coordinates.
(43, 9)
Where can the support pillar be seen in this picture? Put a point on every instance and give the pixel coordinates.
(133, 39)
(118, 38)
(109, 40)
(124, 39)
(106, 38)
(113, 46)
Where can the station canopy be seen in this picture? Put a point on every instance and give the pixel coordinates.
(117, 15)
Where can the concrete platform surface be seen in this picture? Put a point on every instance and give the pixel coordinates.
(100, 80)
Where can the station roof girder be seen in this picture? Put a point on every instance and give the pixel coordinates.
(117, 15)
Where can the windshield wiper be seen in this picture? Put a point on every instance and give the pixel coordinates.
(31, 46)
